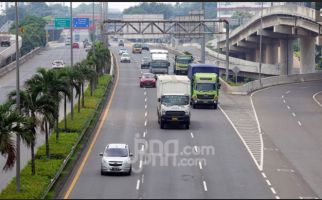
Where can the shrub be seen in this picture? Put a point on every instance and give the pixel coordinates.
(79, 121)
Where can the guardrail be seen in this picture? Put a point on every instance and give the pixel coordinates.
(8, 68)
(53, 181)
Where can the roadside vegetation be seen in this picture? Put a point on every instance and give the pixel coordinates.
(39, 103)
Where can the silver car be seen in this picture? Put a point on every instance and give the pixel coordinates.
(116, 159)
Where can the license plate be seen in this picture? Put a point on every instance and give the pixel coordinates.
(174, 119)
(115, 169)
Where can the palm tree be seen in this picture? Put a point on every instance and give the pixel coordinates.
(89, 75)
(34, 105)
(78, 80)
(12, 123)
(53, 84)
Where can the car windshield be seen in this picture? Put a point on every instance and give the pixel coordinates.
(116, 152)
(159, 64)
(148, 76)
(125, 55)
(206, 86)
(58, 62)
(137, 46)
(170, 100)
(184, 61)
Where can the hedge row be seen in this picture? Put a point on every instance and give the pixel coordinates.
(33, 187)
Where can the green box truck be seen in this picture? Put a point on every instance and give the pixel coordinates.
(205, 84)
(181, 63)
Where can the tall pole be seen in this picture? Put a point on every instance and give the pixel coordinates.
(17, 103)
(71, 59)
(260, 49)
(203, 40)
(227, 49)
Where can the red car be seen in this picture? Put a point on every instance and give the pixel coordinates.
(75, 45)
(147, 80)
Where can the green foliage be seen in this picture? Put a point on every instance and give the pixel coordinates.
(79, 121)
(34, 35)
(34, 186)
(91, 102)
(187, 53)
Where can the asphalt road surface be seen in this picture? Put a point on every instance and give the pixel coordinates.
(226, 172)
(291, 121)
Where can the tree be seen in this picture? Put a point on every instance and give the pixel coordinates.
(89, 75)
(12, 123)
(33, 106)
(241, 16)
(51, 83)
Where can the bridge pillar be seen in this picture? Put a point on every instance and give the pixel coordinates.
(307, 57)
(271, 54)
(286, 57)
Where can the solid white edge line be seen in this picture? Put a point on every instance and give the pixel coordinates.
(273, 190)
(316, 99)
(242, 139)
(205, 186)
(138, 184)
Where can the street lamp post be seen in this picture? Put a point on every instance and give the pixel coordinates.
(17, 103)
(71, 60)
(203, 40)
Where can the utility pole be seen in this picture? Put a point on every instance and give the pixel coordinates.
(17, 102)
(260, 49)
(203, 39)
(71, 59)
(227, 49)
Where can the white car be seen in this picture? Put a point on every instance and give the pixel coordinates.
(88, 47)
(125, 58)
(116, 159)
(58, 64)
(121, 51)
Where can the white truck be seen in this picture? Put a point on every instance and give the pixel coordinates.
(173, 94)
(159, 63)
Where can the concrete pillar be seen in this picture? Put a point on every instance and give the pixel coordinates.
(257, 55)
(307, 58)
(271, 54)
(286, 56)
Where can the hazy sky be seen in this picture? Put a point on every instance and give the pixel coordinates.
(116, 5)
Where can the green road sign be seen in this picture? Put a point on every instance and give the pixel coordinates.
(62, 22)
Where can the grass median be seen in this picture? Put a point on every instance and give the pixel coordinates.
(33, 187)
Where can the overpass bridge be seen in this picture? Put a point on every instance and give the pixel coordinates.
(281, 26)
(7, 53)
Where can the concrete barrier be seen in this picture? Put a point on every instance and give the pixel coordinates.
(270, 81)
(8, 68)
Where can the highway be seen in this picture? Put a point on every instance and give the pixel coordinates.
(27, 70)
(228, 173)
(291, 121)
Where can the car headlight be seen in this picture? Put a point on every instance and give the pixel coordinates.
(194, 98)
(187, 112)
(163, 112)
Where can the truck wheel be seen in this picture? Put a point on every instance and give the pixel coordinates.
(187, 126)
(215, 106)
(161, 125)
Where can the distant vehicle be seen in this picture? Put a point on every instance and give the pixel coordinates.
(122, 50)
(181, 63)
(88, 47)
(148, 80)
(137, 48)
(116, 158)
(159, 66)
(75, 45)
(5, 40)
(173, 96)
(77, 37)
(204, 84)
(145, 47)
(125, 58)
(121, 43)
(145, 63)
(58, 64)
(67, 41)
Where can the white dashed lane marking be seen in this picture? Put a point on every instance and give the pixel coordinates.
(138, 184)
(205, 186)
(300, 124)
(293, 114)
(273, 190)
(191, 134)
